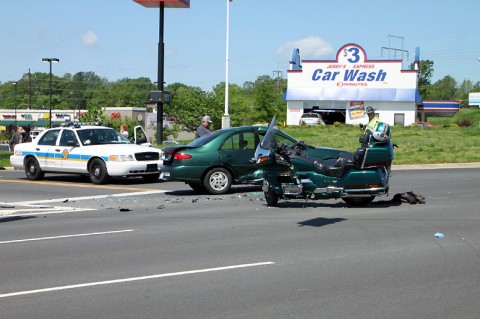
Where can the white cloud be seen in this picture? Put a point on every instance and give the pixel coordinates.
(89, 39)
(311, 48)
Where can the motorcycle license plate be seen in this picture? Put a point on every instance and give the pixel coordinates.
(292, 189)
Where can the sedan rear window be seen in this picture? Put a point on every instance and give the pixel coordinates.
(205, 139)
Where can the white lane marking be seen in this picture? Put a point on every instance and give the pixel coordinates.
(116, 281)
(34, 207)
(66, 236)
(37, 210)
(57, 200)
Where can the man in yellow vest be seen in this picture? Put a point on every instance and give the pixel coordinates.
(372, 120)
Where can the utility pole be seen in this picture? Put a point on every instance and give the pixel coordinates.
(277, 74)
(29, 89)
(391, 49)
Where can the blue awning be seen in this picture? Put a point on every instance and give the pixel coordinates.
(352, 94)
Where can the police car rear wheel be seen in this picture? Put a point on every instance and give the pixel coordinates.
(33, 170)
(97, 171)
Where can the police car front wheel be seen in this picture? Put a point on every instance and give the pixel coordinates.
(97, 171)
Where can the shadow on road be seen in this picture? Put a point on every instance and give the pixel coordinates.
(255, 190)
(14, 218)
(320, 221)
(332, 203)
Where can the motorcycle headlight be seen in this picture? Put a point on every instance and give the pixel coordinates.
(121, 158)
(262, 159)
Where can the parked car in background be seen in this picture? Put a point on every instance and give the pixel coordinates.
(424, 124)
(171, 142)
(94, 151)
(34, 133)
(311, 119)
(212, 163)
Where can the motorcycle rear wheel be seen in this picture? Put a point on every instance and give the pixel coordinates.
(358, 201)
(271, 197)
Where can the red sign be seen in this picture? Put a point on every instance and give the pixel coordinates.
(167, 3)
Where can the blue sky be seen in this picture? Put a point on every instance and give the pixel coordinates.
(118, 38)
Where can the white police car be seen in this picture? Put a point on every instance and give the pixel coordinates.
(99, 152)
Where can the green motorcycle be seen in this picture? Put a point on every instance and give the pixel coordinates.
(301, 171)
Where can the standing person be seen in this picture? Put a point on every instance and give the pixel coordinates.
(204, 127)
(124, 129)
(372, 120)
(17, 138)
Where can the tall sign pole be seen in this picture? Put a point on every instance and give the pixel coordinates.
(226, 117)
(158, 97)
(160, 74)
(50, 60)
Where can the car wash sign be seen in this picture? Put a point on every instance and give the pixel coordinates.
(350, 77)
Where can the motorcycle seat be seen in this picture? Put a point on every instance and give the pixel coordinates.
(335, 167)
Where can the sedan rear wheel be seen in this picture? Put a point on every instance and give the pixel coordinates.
(217, 181)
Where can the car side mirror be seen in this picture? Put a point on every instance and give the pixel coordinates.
(142, 140)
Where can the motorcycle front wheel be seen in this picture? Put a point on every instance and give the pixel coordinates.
(271, 197)
(358, 201)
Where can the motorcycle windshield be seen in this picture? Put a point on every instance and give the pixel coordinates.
(268, 141)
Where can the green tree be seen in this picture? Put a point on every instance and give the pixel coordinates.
(425, 74)
(190, 104)
(444, 89)
(238, 104)
(77, 90)
(267, 99)
(131, 92)
(97, 95)
(465, 88)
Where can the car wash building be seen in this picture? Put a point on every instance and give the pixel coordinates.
(341, 89)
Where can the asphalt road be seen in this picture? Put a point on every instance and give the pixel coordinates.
(70, 249)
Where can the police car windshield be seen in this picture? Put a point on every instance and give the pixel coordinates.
(99, 136)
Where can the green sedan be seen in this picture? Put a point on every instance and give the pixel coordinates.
(212, 163)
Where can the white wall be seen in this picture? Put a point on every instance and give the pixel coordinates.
(294, 112)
